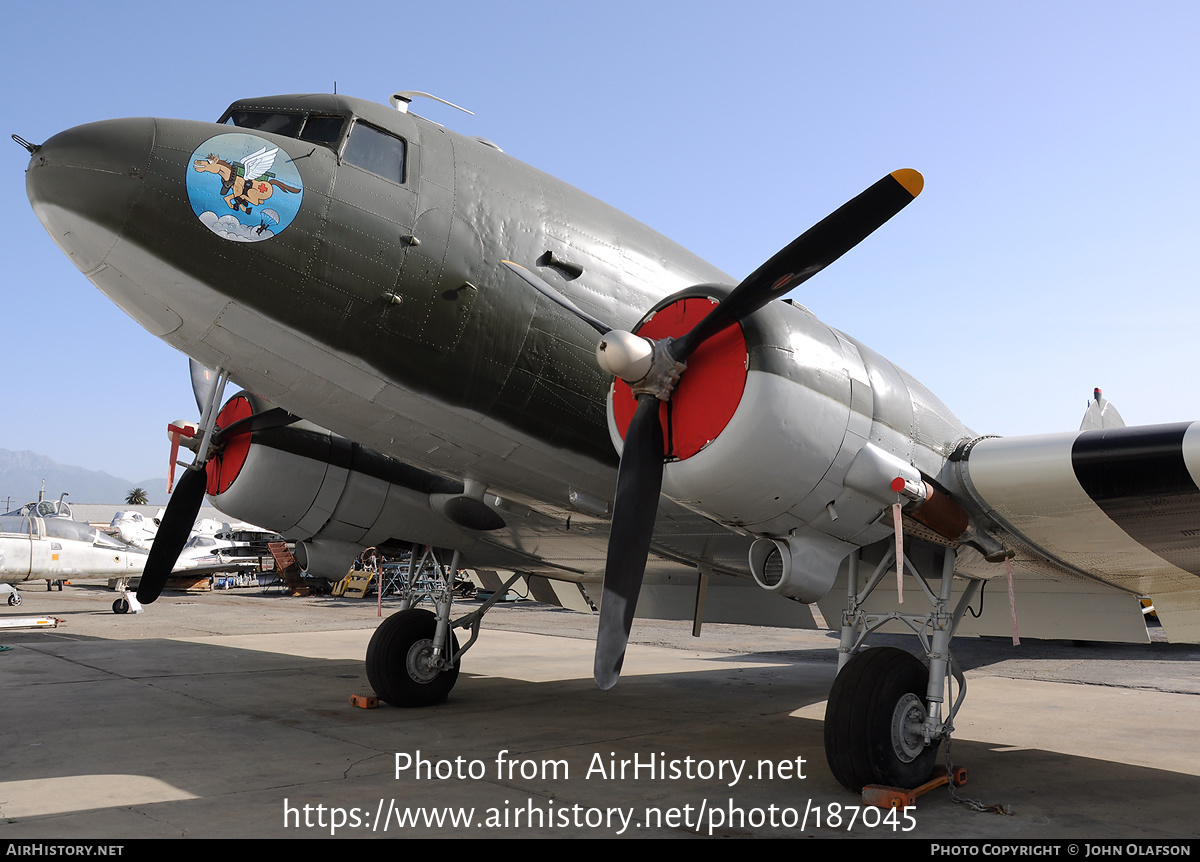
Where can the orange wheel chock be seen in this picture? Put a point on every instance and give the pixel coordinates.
(879, 796)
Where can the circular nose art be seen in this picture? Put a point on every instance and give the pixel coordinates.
(243, 188)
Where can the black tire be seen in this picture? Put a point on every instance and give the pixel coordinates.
(869, 698)
(14, 599)
(394, 659)
(121, 606)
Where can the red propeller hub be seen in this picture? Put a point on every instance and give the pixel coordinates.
(708, 392)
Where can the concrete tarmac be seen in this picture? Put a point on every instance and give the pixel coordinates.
(227, 715)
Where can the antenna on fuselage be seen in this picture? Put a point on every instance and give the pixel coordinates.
(400, 101)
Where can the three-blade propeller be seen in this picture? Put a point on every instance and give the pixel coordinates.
(186, 499)
(654, 371)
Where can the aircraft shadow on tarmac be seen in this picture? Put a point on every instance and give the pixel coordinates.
(239, 730)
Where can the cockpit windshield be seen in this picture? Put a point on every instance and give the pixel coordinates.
(45, 509)
(322, 130)
(360, 144)
(315, 128)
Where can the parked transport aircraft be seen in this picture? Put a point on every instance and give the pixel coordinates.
(440, 346)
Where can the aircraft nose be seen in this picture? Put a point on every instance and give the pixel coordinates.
(84, 183)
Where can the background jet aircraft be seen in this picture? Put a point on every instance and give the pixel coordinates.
(36, 542)
(41, 541)
(134, 528)
(449, 348)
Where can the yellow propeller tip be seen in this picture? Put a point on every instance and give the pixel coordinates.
(912, 180)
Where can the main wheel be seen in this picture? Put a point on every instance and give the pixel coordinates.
(399, 660)
(121, 606)
(14, 598)
(873, 721)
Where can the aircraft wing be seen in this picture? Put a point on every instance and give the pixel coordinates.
(1093, 519)
(233, 565)
(1119, 506)
(692, 559)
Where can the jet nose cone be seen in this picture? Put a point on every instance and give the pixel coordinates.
(83, 184)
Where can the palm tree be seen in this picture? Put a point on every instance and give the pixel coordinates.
(136, 497)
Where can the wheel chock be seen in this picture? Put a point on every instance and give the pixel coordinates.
(364, 701)
(881, 796)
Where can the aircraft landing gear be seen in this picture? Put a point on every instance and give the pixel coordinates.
(14, 599)
(884, 721)
(127, 603)
(875, 721)
(414, 656)
(402, 666)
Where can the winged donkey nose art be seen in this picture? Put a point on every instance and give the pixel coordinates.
(243, 188)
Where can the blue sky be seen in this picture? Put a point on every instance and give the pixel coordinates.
(1055, 247)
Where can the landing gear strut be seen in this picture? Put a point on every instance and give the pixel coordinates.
(413, 658)
(127, 602)
(884, 722)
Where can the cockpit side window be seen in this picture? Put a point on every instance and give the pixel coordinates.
(376, 151)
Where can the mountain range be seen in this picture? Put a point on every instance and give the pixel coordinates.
(21, 475)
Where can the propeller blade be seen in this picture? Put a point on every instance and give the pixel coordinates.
(276, 417)
(173, 533)
(639, 482)
(808, 254)
(639, 478)
(544, 288)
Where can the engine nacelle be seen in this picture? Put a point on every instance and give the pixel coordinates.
(766, 420)
(777, 427)
(329, 494)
